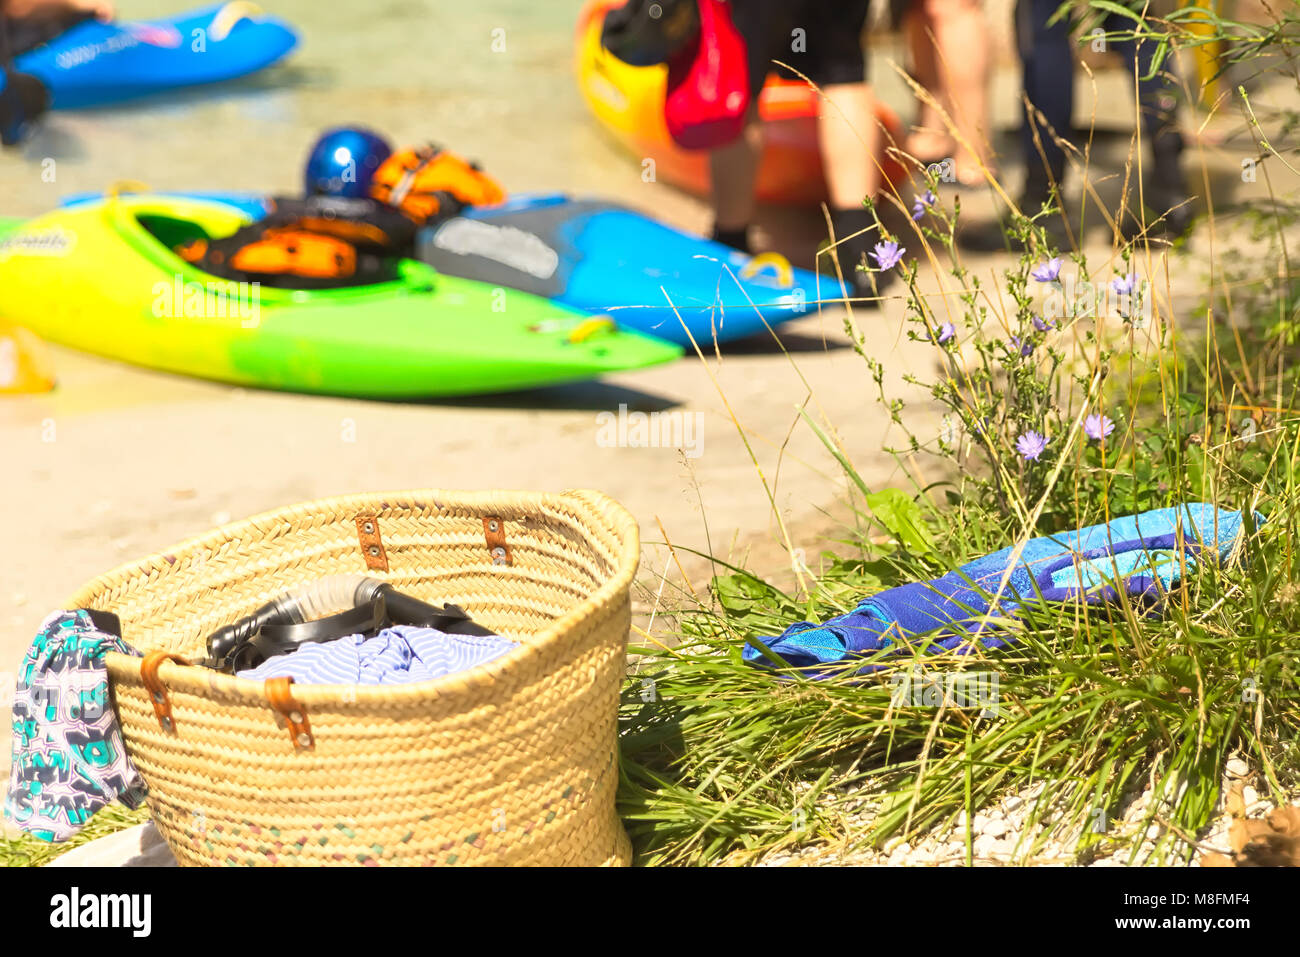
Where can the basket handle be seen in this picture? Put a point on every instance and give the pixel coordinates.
(162, 704)
(281, 700)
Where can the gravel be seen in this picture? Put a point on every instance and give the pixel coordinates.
(1005, 834)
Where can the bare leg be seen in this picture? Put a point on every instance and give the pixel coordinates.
(850, 142)
(734, 171)
(961, 50)
(930, 140)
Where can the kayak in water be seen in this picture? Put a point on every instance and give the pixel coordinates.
(93, 63)
(629, 102)
(105, 277)
(602, 257)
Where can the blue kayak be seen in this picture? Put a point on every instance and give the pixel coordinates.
(602, 257)
(93, 63)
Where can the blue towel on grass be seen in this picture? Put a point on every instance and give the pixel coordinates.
(1142, 554)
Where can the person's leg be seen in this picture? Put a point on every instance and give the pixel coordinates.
(850, 142)
(1047, 72)
(930, 140)
(1165, 187)
(734, 171)
(734, 168)
(850, 138)
(960, 49)
(1047, 61)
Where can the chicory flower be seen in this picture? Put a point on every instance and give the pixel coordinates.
(1031, 445)
(923, 202)
(1048, 271)
(888, 255)
(1125, 285)
(1098, 426)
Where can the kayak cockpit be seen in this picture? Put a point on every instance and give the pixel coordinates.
(171, 231)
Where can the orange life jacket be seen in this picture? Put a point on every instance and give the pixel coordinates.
(297, 252)
(310, 244)
(428, 182)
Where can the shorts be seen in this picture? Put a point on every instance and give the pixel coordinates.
(827, 51)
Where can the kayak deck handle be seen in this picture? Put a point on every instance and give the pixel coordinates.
(118, 187)
(779, 265)
(590, 327)
(225, 19)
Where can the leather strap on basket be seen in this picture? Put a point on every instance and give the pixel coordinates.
(162, 703)
(281, 699)
(372, 544)
(494, 530)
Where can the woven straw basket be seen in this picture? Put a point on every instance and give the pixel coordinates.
(514, 762)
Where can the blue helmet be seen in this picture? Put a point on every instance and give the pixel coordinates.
(343, 161)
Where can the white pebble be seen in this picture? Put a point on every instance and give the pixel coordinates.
(1238, 768)
(923, 851)
(1249, 795)
(995, 828)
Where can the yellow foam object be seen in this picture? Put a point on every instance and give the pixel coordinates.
(779, 265)
(25, 364)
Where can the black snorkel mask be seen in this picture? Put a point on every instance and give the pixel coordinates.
(293, 619)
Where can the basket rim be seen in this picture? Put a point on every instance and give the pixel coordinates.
(195, 678)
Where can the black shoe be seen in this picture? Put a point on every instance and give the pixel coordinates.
(864, 284)
(1169, 213)
(857, 234)
(23, 99)
(998, 235)
(737, 239)
(870, 288)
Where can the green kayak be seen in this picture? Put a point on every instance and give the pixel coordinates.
(103, 277)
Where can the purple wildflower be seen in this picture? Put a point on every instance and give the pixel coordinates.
(888, 255)
(1125, 285)
(946, 332)
(923, 202)
(1024, 346)
(1043, 324)
(1048, 271)
(1031, 445)
(1098, 427)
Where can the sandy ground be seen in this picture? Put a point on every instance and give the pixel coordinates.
(119, 462)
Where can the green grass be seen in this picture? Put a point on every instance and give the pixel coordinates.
(27, 851)
(729, 761)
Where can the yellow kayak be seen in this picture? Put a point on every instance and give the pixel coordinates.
(103, 277)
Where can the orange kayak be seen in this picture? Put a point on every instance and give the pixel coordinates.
(629, 102)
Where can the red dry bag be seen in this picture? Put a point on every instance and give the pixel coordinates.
(708, 84)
